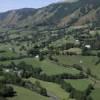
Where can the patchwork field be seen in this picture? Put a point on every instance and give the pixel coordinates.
(47, 66)
(50, 52)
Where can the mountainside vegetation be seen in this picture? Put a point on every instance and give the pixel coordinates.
(60, 14)
(51, 53)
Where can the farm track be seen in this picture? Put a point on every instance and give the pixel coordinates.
(52, 96)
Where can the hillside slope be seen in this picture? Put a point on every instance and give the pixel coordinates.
(59, 14)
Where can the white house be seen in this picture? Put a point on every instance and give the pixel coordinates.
(37, 56)
(81, 61)
(10, 48)
(77, 40)
(88, 46)
(6, 70)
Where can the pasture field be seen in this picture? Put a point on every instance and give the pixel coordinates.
(53, 88)
(80, 84)
(96, 94)
(48, 67)
(86, 62)
(52, 68)
(8, 54)
(25, 94)
(54, 46)
(15, 48)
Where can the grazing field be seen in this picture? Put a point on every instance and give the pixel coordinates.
(51, 52)
(25, 94)
(96, 94)
(47, 66)
(8, 54)
(53, 88)
(52, 68)
(80, 84)
(86, 62)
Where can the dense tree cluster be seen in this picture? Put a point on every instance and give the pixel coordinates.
(6, 91)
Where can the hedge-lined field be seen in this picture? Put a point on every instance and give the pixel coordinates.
(25, 94)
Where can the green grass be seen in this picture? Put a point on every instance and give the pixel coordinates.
(63, 41)
(52, 68)
(8, 54)
(79, 84)
(32, 61)
(53, 88)
(25, 94)
(94, 32)
(96, 94)
(1, 78)
(47, 66)
(88, 62)
(16, 46)
(7, 46)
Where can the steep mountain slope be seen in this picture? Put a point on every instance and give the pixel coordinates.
(15, 16)
(88, 12)
(59, 14)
